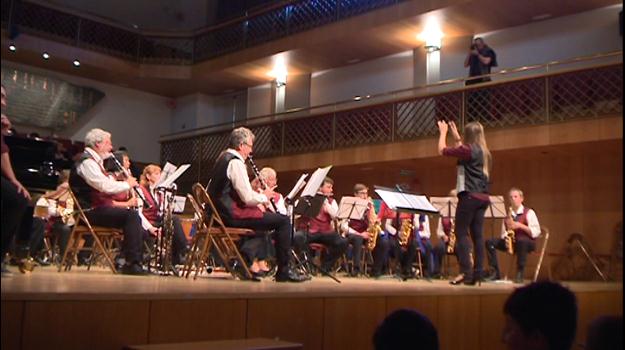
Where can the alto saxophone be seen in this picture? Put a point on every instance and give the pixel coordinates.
(374, 228)
(509, 239)
(405, 232)
(451, 245)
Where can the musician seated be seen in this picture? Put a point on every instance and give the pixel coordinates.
(425, 245)
(154, 214)
(320, 229)
(95, 189)
(526, 227)
(237, 202)
(443, 232)
(259, 249)
(404, 254)
(358, 234)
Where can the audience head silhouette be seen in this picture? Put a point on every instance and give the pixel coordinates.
(405, 329)
(540, 316)
(605, 333)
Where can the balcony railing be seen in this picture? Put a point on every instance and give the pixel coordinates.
(274, 22)
(542, 98)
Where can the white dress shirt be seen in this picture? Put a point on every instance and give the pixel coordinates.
(392, 230)
(237, 174)
(425, 233)
(91, 171)
(532, 222)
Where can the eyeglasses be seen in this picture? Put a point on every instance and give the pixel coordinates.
(362, 192)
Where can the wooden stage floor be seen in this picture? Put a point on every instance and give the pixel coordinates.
(98, 310)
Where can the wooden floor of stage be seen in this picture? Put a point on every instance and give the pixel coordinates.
(98, 310)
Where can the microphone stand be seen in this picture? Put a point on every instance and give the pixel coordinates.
(165, 242)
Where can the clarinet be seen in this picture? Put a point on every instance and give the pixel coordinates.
(136, 188)
(263, 185)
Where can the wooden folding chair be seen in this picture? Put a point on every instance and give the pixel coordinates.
(102, 239)
(218, 235)
(541, 248)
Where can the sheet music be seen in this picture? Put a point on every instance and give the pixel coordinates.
(179, 203)
(168, 169)
(445, 205)
(170, 180)
(316, 179)
(406, 201)
(352, 208)
(298, 187)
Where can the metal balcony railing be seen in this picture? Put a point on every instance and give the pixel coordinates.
(543, 97)
(273, 22)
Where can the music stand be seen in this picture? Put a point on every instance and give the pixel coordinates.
(496, 210)
(447, 208)
(309, 206)
(352, 208)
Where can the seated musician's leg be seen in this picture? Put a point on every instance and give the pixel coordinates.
(356, 242)
(380, 254)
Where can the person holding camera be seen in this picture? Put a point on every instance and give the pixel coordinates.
(480, 59)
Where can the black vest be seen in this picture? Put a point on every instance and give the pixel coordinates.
(220, 186)
(79, 186)
(475, 180)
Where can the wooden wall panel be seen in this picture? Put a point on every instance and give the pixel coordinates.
(459, 322)
(491, 321)
(594, 304)
(349, 323)
(294, 320)
(84, 324)
(12, 314)
(195, 320)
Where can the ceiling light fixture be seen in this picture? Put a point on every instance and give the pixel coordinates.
(76, 63)
(12, 47)
(45, 55)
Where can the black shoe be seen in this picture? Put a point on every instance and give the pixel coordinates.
(133, 269)
(519, 277)
(290, 276)
(354, 273)
(240, 273)
(42, 262)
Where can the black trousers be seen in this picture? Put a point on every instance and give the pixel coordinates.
(356, 241)
(427, 255)
(130, 223)
(406, 256)
(335, 243)
(37, 233)
(521, 249)
(440, 251)
(61, 233)
(469, 227)
(279, 224)
(13, 209)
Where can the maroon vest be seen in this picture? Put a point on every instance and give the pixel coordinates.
(322, 223)
(520, 234)
(150, 214)
(361, 225)
(102, 199)
(446, 222)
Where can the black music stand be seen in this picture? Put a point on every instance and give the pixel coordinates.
(309, 205)
(352, 208)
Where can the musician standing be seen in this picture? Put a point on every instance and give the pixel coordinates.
(237, 202)
(473, 173)
(320, 229)
(95, 189)
(15, 197)
(526, 227)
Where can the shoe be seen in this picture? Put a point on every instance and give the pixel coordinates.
(42, 262)
(458, 280)
(239, 272)
(518, 278)
(493, 276)
(290, 276)
(354, 273)
(133, 269)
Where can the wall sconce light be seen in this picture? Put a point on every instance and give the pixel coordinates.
(281, 81)
(279, 71)
(432, 35)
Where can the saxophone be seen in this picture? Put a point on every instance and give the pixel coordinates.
(509, 239)
(451, 245)
(374, 229)
(405, 232)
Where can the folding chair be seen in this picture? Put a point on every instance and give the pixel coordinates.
(102, 238)
(541, 242)
(217, 234)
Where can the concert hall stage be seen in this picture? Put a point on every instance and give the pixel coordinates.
(99, 310)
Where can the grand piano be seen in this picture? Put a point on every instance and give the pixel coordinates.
(33, 162)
